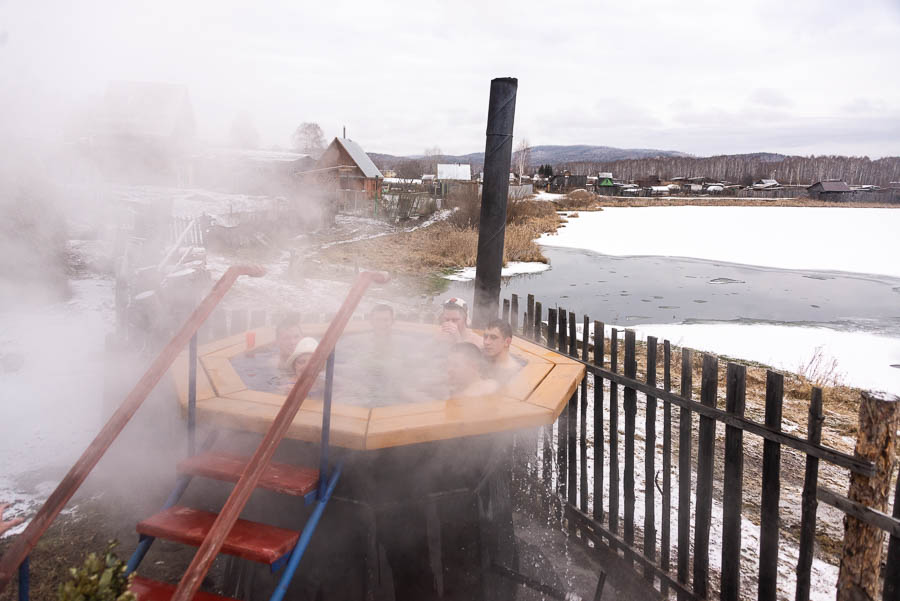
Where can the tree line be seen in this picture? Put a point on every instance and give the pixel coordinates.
(745, 169)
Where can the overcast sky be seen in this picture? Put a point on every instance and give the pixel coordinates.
(704, 77)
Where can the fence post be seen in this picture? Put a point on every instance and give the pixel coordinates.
(808, 502)
(529, 318)
(572, 423)
(630, 407)
(665, 526)
(514, 313)
(771, 491)
(892, 572)
(614, 434)
(536, 331)
(650, 461)
(598, 422)
(706, 448)
(684, 470)
(582, 438)
(733, 489)
(875, 442)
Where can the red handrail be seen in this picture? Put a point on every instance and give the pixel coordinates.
(24, 543)
(212, 544)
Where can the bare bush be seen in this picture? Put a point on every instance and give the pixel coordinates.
(821, 369)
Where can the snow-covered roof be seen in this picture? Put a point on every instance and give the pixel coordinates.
(360, 157)
(457, 171)
(605, 175)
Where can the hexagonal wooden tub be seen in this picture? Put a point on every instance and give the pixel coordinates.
(425, 489)
(533, 397)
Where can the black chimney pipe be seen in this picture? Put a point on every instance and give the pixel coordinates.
(495, 191)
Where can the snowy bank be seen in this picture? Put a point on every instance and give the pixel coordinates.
(512, 268)
(805, 238)
(863, 359)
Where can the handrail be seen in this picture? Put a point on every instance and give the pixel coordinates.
(212, 544)
(24, 543)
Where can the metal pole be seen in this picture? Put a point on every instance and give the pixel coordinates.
(326, 424)
(492, 227)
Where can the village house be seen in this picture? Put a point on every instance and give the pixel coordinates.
(350, 169)
(829, 190)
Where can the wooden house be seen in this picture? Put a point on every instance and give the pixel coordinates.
(351, 169)
(829, 190)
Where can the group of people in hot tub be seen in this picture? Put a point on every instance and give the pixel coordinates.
(473, 365)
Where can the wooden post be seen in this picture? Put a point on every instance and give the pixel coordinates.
(614, 434)
(771, 491)
(529, 319)
(876, 442)
(514, 314)
(808, 503)
(650, 461)
(505, 315)
(684, 470)
(536, 331)
(582, 438)
(892, 572)
(732, 497)
(598, 423)
(665, 527)
(706, 448)
(630, 406)
(572, 420)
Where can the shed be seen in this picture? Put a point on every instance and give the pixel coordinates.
(356, 171)
(829, 189)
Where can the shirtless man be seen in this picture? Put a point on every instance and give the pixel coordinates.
(497, 338)
(287, 335)
(382, 319)
(452, 321)
(464, 372)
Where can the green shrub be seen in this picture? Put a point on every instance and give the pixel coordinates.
(98, 579)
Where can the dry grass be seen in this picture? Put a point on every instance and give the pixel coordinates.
(579, 199)
(448, 246)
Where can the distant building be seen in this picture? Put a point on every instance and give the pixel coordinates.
(565, 182)
(766, 184)
(454, 172)
(604, 184)
(352, 169)
(647, 181)
(829, 190)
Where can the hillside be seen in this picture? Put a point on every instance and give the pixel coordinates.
(538, 155)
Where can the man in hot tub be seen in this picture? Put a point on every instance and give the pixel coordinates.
(500, 364)
(287, 334)
(453, 322)
(465, 372)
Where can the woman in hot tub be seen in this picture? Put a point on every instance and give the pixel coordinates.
(297, 361)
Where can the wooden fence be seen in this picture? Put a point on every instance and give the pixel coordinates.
(574, 469)
(676, 559)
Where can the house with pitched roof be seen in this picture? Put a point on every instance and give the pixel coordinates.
(351, 168)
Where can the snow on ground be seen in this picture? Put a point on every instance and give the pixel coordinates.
(547, 196)
(863, 359)
(52, 405)
(512, 268)
(829, 239)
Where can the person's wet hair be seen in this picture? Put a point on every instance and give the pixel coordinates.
(501, 325)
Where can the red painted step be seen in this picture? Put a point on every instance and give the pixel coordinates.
(249, 540)
(151, 590)
(280, 477)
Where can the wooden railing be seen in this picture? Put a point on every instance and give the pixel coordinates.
(24, 543)
(212, 544)
(676, 558)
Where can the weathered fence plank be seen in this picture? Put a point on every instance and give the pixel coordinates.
(529, 316)
(562, 428)
(665, 534)
(771, 491)
(706, 447)
(537, 333)
(572, 420)
(582, 422)
(808, 503)
(614, 434)
(733, 487)
(630, 407)
(514, 313)
(599, 343)
(684, 470)
(650, 461)
(891, 590)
